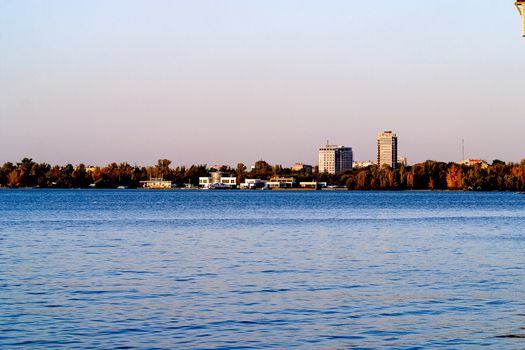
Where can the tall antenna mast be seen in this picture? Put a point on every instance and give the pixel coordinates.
(463, 149)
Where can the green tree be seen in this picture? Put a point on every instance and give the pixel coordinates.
(240, 172)
(80, 178)
(24, 176)
(39, 172)
(66, 177)
(6, 169)
(163, 168)
(193, 173)
(261, 170)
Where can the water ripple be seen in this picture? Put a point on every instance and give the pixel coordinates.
(237, 270)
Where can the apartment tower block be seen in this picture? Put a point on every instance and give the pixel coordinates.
(334, 159)
(387, 149)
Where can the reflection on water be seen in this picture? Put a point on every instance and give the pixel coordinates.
(326, 270)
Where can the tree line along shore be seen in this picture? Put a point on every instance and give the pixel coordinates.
(429, 175)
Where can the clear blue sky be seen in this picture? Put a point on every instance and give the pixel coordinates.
(235, 81)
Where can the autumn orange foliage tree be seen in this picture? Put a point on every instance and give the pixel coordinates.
(429, 175)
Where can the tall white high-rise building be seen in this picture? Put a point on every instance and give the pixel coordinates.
(387, 149)
(334, 159)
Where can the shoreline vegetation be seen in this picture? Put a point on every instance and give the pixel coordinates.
(429, 175)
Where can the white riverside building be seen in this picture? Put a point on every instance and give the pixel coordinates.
(281, 182)
(334, 159)
(252, 184)
(387, 149)
(217, 180)
(363, 164)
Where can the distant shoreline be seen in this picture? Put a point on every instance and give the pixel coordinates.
(428, 176)
(248, 191)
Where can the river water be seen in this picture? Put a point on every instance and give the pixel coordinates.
(132, 269)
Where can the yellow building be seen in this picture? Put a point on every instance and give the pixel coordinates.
(156, 184)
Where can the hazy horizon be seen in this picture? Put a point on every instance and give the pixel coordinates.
(222, 82)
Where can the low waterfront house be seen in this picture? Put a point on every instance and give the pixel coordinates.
(313, 185)
(204, 182)
(252, 184)
(217, 179)
(281, 182)
(156, 183)
(230, 181)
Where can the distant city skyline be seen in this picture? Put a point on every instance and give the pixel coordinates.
(221, 82)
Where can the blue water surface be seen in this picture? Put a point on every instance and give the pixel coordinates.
(133, 269)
